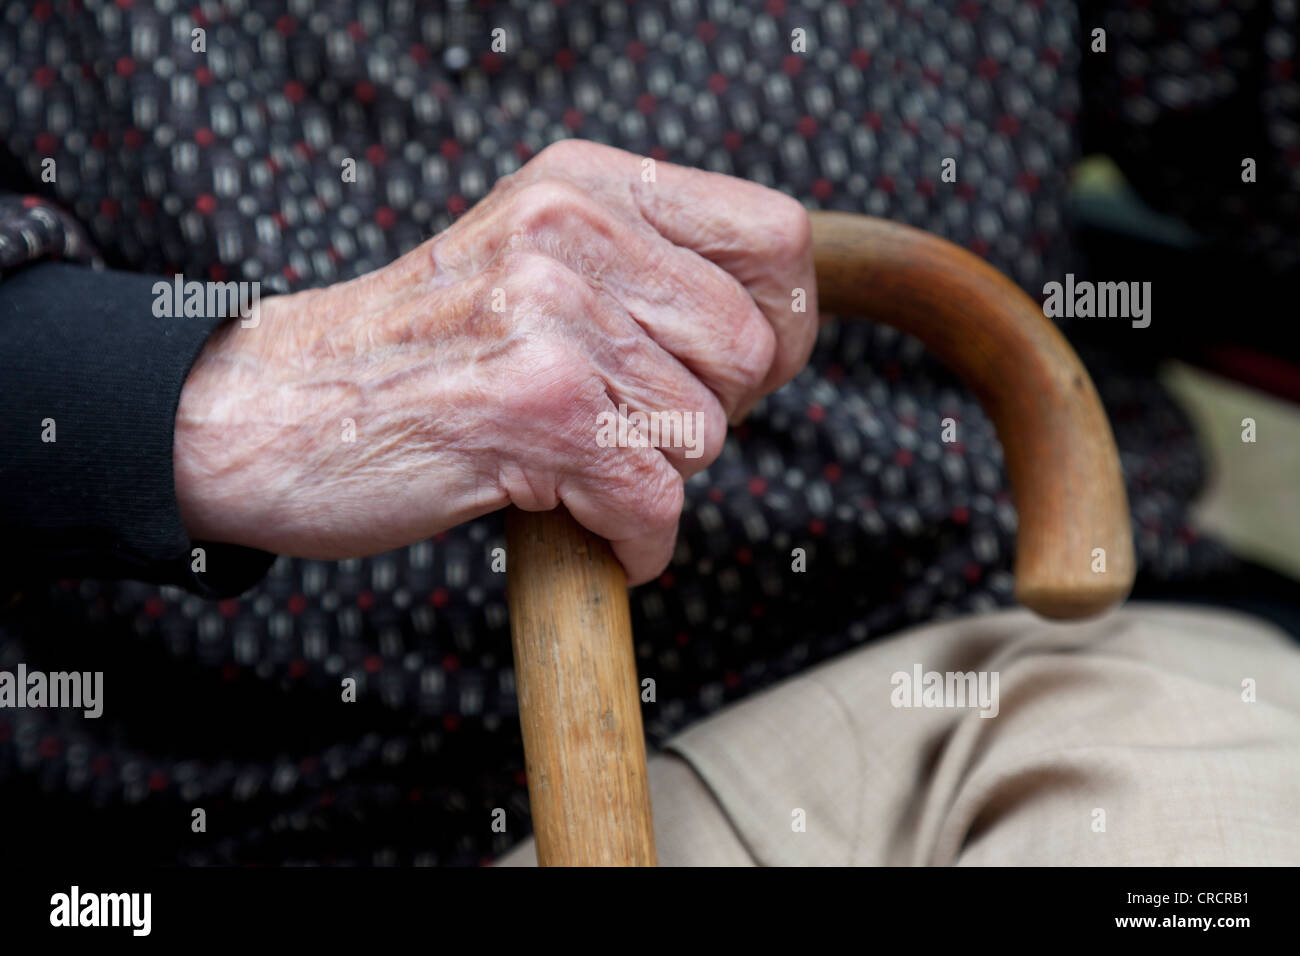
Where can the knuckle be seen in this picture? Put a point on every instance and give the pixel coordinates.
(789, 233)
(749, 352)
(658, 493)
(544, 285)
(551, 205)
(561, 153)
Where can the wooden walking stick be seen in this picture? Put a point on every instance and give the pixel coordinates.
(579, 701)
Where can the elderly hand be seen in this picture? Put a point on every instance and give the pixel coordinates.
(484, 368)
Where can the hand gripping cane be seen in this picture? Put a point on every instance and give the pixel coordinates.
(579, 700)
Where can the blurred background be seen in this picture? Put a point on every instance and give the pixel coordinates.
(1119, 164)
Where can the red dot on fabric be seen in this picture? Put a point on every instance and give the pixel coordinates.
(960, 515)
(206, 204)
(564, 59)
(297, 604)
(450, 149)
(706, 31)
(456, 205)
(861, 59)
(366, 600)
(285, 25)
(439, 597)
(822, 189)
(125, 66)
(806, 126)
(903, 457)
(385, 217)
(792, 64)
(646, 104)
(297, 668)
(815, 413)
(204, 136)
(133, 139)
(50, 746)
(229, 607)
(294, 91)
(44, 76)
(373, 663)
(158, 781)
(573, 119)
(757, 486)
(832, 472)
(46, 143)
(365, 91)
(717, 84)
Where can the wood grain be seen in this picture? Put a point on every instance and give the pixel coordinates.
(579, 701)
(1060, 454)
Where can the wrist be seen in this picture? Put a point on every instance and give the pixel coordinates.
(212, 467)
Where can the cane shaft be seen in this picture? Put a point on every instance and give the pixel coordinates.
(579, 702)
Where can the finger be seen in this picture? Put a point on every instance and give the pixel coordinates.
(693, 309)
(760, 236)
(633, 498)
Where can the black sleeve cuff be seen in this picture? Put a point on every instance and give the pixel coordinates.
(85, 362)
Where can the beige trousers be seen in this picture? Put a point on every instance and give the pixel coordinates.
(1156, 735)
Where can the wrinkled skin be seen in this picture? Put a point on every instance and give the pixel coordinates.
(670, 295)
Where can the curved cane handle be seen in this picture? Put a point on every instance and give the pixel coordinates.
(1060, 454)
(579, 701)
